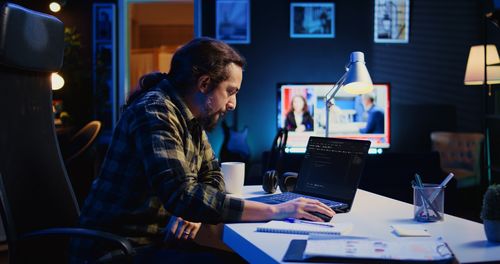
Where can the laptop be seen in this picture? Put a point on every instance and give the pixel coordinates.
(330, 172)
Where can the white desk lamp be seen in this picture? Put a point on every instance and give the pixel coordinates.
(356, 80)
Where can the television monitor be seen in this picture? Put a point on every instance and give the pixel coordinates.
(351, 116)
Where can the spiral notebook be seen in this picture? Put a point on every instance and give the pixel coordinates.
(275, 226)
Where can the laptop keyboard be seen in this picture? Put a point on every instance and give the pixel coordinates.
(287, 196)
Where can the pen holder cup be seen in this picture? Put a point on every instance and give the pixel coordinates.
(428, 203)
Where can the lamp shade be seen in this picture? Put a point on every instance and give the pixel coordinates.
(474, 72)
(358, 79)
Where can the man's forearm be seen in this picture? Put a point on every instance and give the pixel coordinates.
(301, 208)
(255, 211)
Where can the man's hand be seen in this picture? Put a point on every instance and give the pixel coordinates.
(178, 228)
(300, 208)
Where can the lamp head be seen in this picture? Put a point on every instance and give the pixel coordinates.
(358, 80)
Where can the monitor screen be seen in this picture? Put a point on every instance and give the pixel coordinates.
(301, 109)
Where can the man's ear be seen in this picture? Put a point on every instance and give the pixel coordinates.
(203, 84)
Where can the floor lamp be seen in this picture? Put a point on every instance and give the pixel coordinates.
(483, 69)
(479, 60)
(356, 80)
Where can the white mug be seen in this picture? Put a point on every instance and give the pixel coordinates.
(234, 176)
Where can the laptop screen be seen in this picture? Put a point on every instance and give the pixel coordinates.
(332, 168)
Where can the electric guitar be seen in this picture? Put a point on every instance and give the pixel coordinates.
(235, 146)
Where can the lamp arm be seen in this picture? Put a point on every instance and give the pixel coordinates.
(329, 98)
(335, 89)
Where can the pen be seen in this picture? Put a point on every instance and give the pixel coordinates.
(293, 220)
(421, 185)
(441, 185)
(418, 183)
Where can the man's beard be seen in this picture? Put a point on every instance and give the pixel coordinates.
(209, 121)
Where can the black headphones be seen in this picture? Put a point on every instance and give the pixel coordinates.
(272, 177)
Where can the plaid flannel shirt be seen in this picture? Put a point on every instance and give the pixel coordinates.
(159, 163)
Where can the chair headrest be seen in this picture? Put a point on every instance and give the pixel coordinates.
(30, 40)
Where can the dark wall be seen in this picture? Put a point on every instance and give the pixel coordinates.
(425, 74)
(274, 57)
(430, 69)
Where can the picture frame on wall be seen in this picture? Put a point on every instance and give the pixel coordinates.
(104, 66)
(103, 23)
(312, 20)
(233, 21)
(392, 21)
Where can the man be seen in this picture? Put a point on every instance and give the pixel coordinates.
(160, 178)
(375, 122)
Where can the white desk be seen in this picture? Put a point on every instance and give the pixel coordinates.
(372, 216)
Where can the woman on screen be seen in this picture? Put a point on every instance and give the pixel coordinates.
(299, 119)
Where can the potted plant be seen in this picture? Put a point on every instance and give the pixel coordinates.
(491, 213)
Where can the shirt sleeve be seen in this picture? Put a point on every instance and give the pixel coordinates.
(159, 134)
(210, 172)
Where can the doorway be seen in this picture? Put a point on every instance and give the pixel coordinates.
(149, 33)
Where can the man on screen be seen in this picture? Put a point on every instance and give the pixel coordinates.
(375, 122)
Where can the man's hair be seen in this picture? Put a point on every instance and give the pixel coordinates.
(203, 56)
(200, 56)
(369, 96)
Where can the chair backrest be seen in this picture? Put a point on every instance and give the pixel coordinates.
(34, 188)
(460, 153)
(82, 140)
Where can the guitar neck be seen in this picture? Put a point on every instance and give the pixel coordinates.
(235, 119)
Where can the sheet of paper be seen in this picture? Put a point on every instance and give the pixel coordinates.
(351, 247)
(410, 230)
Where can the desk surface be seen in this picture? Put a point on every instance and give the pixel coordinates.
(372, 216)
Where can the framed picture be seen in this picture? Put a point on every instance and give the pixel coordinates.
(312, 20)
(392, 21)
(233, 21)
(103, 25)
(104, 65)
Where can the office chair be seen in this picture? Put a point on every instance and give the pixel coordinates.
(38, 205)
(461, 154)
